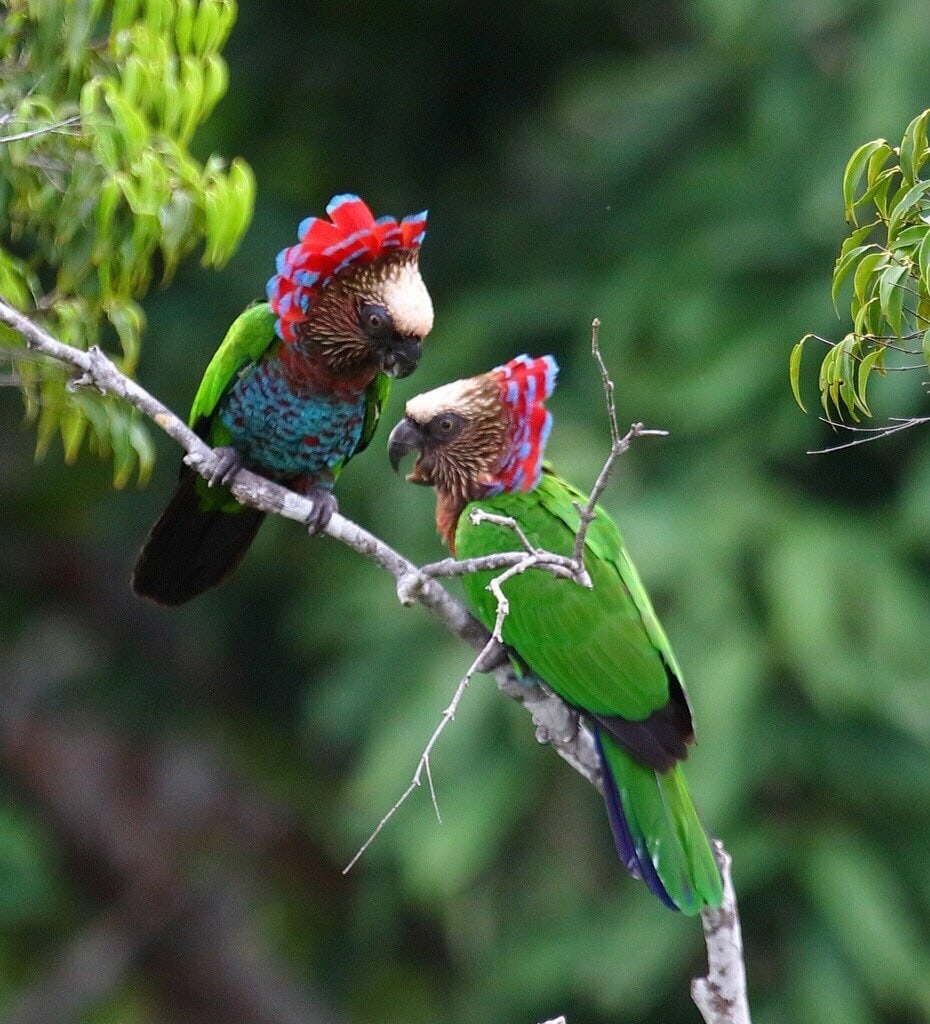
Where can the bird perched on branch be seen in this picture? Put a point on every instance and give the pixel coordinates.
(480, 444)
(295, 389)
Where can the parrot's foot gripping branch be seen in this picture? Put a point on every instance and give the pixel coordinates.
(325, 505)
(228, 463)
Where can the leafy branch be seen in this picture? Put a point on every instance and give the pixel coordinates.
(887, 258)
(721, 995)
(102, 194)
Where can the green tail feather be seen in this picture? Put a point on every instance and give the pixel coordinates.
(664, 827)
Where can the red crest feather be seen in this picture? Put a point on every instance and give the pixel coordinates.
(525, 384)
(325, 248)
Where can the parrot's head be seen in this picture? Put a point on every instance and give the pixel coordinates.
(479, 436)
(351, 290)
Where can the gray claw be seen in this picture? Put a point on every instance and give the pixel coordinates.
(228, 464)
(324, 505)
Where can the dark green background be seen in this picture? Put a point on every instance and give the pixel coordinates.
(673, 169)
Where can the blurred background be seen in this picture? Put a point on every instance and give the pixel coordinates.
(174, 821)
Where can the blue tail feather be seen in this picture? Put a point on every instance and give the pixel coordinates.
(637, 860)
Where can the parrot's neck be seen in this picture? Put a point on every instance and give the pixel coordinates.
(308, 372)
(450, 503)
(448, 509)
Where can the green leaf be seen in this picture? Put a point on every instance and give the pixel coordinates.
(891, 295)
(844, 265)
(73, 426)
(926, 347)
(923, 262)
(877, 192)
(866, 275)
(183, 25)
(866, 365)
(903, 206)
(141, 442)
(846, 378)
(794, 370)
(911, 236)
(206, 26)
(854, 171)
(913, 151)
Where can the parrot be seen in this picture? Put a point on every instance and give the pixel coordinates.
(295, 389)
(481, 443)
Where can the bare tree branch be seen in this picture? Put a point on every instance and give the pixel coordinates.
(529, 559)
(555, 722)
(721, 995)
(423, 765)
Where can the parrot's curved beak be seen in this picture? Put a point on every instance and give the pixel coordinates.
(405, 438)
(400, 356)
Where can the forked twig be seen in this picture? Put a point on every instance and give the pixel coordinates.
(423, 765)
(587, 513)
(874, 433)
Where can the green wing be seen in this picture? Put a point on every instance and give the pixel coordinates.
(376, 397)
(249, 337)
(603, 650)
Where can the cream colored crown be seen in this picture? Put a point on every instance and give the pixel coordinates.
(405, 296)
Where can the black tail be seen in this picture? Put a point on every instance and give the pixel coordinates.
(189, 550)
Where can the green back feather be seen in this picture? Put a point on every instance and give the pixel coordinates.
(602, 649)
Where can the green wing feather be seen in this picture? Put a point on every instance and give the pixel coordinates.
(248, 338)
(377, 395)
(604, 651)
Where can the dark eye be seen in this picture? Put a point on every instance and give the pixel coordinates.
(446, 425)
(376, 321)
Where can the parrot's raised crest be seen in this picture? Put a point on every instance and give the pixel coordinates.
(525, 384)
(350, 238)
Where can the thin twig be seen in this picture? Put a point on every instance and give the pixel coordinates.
(618, 446)
(43, 130)
(874, 433)
(423, 765)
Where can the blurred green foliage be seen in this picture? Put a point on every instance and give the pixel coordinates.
(99, 190)
(673, 169)
(888, 260)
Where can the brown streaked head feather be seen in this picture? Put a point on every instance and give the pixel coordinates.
(333, 328)
(462, 465)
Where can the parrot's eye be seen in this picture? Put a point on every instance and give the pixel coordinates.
(446, 425)
(376, 321)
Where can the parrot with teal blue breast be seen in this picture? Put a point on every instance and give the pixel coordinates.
(295, 389)
(480, 444)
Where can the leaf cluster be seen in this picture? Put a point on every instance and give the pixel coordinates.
(100, 194)
(887, 258)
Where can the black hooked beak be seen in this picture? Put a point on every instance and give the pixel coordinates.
(405, 438)
(400, 356)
